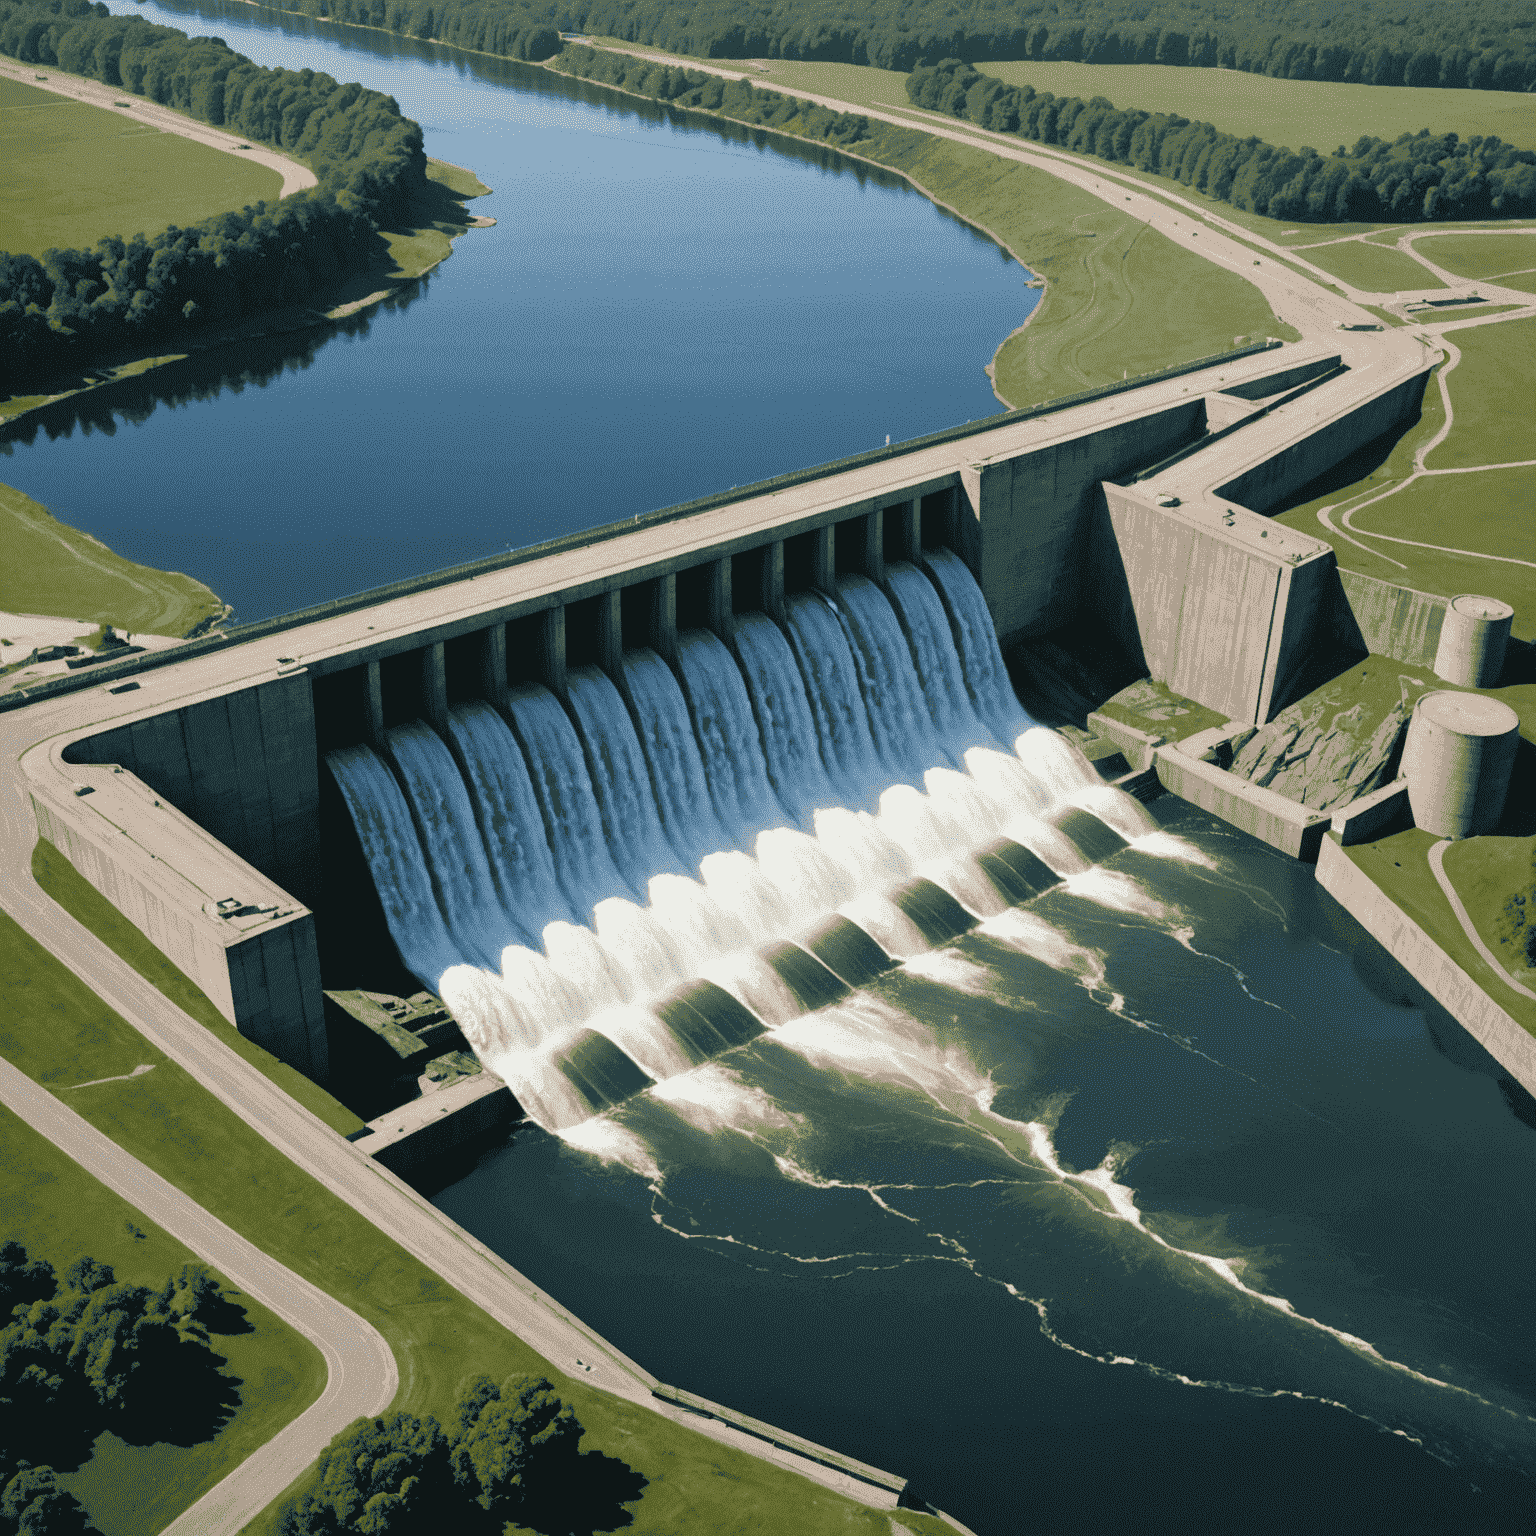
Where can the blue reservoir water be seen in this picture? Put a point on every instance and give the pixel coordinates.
(666, 308)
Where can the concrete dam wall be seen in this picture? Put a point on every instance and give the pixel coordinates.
(212, 838)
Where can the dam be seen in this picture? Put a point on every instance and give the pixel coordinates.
(505, 783)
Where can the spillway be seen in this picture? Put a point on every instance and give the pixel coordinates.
(615, 885)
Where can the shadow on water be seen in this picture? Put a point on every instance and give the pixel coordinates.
(228, 369)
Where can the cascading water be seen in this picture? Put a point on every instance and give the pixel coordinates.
(619, 778)
(672, 754)
(838, 790)
(784, 719)
(727, 735)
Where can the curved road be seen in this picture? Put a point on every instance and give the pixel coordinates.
(296, 177)
(362, 1376)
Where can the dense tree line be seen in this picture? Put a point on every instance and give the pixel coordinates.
(1487, 44)
(1419, 176)
(125, 292)
(509, 1454)
(82, 1353)
(738, 99)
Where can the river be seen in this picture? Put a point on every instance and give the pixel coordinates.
(667, 307)
(1166, 1203)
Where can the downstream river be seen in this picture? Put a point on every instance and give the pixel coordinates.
(1166, 1203)
(666, 308)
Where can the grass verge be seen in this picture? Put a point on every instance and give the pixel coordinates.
(1482, 256)
(58, 1211)
(1497, 370)
(72, 173)
(67, 886)
(1495, 877)
(57, 1031)
(51, 568)
(1373, 268)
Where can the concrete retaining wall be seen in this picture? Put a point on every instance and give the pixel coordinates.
(242, 764)
(1265, 485)
(258, 965)
(1271, 818)
(1027, 534)
(1221, 609)
(1497, 1031)
(1394, 621)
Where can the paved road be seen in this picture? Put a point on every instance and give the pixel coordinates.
(362, 1377)
(296, 177)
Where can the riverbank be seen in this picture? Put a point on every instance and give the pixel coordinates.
(403, 256)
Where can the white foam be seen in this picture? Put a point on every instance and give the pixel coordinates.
(949, 968)
(714, 1098)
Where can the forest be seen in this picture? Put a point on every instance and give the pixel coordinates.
(82, 1353)
(1420, 176)
(1481, 44)
(124, 293)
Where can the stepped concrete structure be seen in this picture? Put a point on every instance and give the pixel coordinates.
(185, 786)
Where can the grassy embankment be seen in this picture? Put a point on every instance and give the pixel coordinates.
(1487, 511)
(51, 568)
(72, 173)
(1496, 881)
(58, 1032)
(1509, 260)
(57, 1211)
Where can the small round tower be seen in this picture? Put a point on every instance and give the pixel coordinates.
(1457, 760)
(1472, 641)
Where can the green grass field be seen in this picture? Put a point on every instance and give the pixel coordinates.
(51, 568)
(1321, 113)
(58, 1212)
(1487, 872)
(1374, 268)
(57, 1031)
(72, 173)
(1484, 256)
(1497, 372)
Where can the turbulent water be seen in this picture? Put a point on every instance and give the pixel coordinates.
(1112, 1175)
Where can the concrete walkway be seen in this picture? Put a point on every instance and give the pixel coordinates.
(296, 177)
(361, 1374)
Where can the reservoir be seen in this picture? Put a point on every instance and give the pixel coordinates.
(1160, 1201)
(666, 308)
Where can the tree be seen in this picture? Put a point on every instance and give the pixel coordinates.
(39, 1507)
(23, 1280)
(383, 1475)
(511, 1441)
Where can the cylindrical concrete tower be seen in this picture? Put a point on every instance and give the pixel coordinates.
(1457, 760)
(1472, 641)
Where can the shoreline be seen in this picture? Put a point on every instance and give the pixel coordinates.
(329, 306)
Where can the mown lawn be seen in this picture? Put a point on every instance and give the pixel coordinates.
(1374, 268)
(58, 1212)
(73, 173)
(51, 568)
(58, 1032)
(1481, 256)
(1493, 393)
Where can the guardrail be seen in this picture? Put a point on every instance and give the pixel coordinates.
(55, 687)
